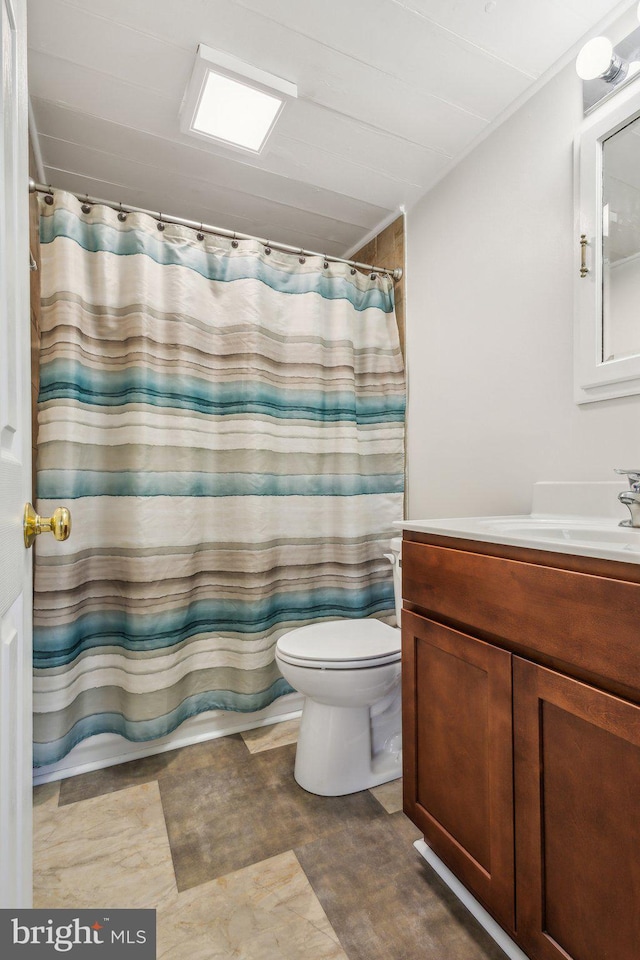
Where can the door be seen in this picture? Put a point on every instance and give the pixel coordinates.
(458, 770)
(15, 468)
(577, 776)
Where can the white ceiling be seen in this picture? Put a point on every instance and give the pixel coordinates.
(391, 93)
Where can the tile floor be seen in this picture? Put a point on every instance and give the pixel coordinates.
(242, 863)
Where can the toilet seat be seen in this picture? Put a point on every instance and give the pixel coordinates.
(340, 645)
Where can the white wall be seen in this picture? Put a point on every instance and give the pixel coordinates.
(489, 326)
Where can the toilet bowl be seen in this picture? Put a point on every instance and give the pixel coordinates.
(349, 673)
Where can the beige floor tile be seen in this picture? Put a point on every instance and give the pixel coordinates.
(275, 735)
(267, 911)
(389, 795)
(109, 851)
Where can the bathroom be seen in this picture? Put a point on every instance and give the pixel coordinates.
(468, 184)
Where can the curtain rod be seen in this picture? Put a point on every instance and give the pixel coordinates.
(395, 274)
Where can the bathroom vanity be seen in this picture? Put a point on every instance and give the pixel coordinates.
(521, 700)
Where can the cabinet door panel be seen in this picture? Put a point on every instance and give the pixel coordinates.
(577, 768)
(458, 755)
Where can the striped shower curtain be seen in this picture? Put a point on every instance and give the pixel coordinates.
(226, 426)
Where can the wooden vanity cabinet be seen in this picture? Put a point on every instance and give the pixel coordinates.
(521, 715)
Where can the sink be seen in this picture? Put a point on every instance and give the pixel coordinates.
(578, 518)
(568, 530)
(586, 536)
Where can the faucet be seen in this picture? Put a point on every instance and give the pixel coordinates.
(631, 497)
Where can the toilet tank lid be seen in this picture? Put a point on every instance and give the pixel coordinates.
(341, 640)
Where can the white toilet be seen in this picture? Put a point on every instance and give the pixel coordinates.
(349, 672)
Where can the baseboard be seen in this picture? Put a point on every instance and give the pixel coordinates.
(106, 750)
(485, 920)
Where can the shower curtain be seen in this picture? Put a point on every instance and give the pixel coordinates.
(225, 423)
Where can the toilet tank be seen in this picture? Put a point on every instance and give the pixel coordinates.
(396, 562)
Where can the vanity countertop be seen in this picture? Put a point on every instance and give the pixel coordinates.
(581, 519)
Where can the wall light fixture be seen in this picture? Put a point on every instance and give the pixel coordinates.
(597, 60)
(605, 68)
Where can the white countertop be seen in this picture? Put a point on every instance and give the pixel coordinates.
(580, 519)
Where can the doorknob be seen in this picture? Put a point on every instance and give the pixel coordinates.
(59, 524)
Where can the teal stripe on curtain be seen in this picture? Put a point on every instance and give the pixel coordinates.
(233, 457)
(96, 235)
(142, 730)
(84, 483)
(61, 379)
(62, 644)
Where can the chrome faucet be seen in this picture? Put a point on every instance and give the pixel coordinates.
(631, 497)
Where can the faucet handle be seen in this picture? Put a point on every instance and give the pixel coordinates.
(633, 476)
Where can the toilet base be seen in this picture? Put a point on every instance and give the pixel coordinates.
(334, 752)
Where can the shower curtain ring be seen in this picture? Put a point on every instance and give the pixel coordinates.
(302, 258)
(234, 242)
(160, 225)
(48, 198)
(267, 249)
(86, 206)
(326, 262)
(121, 214)
(200, 234)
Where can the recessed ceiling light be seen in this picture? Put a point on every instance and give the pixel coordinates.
(232, 102)
(232, 111)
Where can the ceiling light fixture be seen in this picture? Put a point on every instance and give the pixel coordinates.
(232, 102)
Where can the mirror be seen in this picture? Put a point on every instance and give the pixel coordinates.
(621, 244)
(607, 268)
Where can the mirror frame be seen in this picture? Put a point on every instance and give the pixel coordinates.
(595, 379)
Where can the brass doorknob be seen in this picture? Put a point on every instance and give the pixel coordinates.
(59, 524)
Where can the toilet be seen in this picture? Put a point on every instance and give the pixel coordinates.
(349, 673)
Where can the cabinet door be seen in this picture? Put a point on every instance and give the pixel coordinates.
(577, 776)
(458, 774)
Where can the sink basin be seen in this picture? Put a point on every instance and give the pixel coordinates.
(569, 530)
